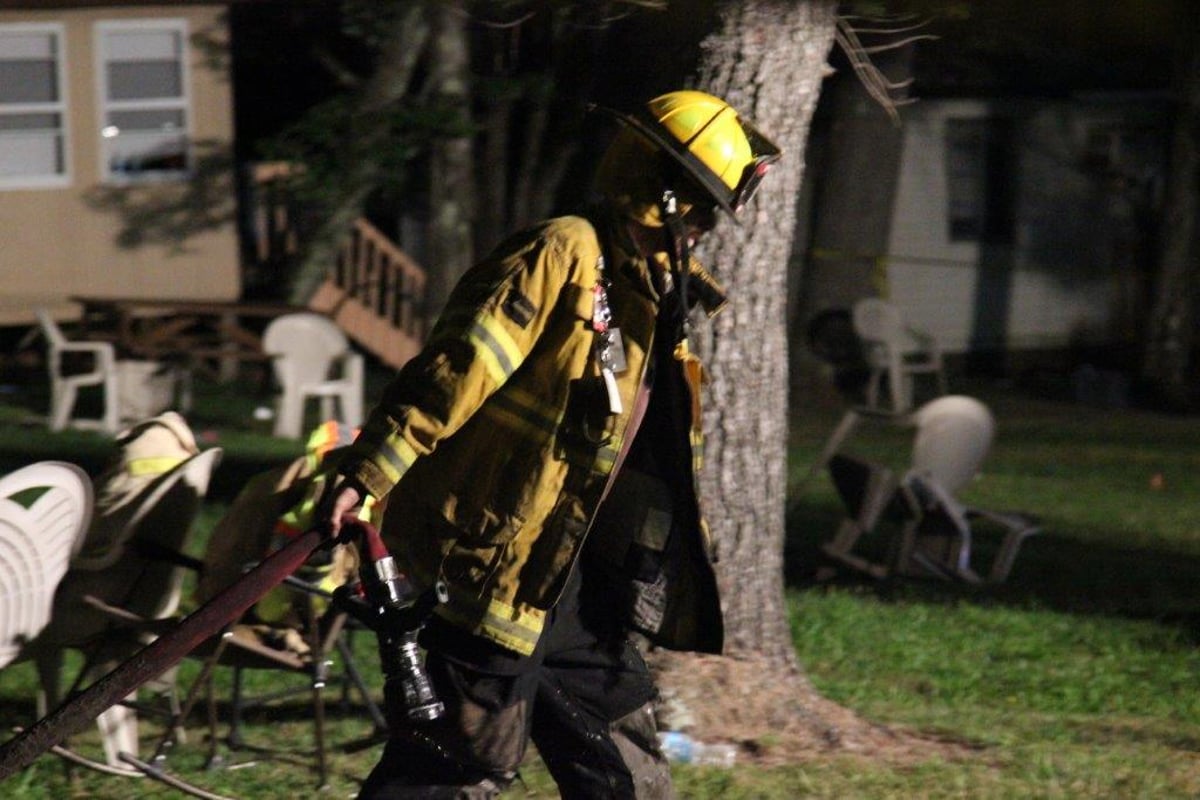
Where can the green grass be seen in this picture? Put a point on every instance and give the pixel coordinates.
(1075, 679)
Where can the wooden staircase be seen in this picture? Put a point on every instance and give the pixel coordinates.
(374, 291)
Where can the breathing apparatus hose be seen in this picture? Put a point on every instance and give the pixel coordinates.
(679, 256)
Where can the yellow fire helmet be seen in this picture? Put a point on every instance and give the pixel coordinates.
(724, 155)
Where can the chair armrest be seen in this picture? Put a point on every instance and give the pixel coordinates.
(1019, 527)
(351, 366)
(104, 353)
(1016, 521)
(101, 349)
(925, 340)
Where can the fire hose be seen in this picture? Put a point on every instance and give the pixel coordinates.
(383, 602)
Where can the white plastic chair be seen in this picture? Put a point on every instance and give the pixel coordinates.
(954, 435)
(64, 386)
(895, 351)
(313, 359)
(38, 535)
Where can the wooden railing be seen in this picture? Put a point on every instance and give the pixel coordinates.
(375, 293)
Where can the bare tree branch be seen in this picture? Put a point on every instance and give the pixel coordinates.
(403, 43)
(345, 77)
(890, 94)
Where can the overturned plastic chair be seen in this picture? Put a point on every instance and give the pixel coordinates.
(928, 531)
(313, 359)
(954, 434)
(895, 351)
(44, 511)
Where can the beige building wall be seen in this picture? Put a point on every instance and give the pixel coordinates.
(934, 280)
(60, 242)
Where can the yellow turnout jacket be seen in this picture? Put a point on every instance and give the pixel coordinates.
(496, 443)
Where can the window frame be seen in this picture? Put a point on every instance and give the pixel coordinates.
(61, 107)
(104, 106)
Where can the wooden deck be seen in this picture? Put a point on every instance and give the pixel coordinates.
(217, 336)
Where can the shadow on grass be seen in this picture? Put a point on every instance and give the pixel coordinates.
(1051, 572)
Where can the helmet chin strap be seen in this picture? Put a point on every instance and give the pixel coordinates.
(679, 257)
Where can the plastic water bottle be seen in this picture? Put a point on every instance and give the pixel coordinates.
(680, 748)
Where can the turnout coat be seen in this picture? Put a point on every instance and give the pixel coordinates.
(496, 444)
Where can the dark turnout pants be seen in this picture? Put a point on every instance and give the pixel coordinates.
(583, 697)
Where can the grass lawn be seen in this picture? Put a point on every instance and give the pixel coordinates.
(1075, 679)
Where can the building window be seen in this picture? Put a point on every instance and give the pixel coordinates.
(966, 141)
(980, 180)
(144, 104)
(33, 147)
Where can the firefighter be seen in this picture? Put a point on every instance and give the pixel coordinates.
(272, 508)
(147, 450)
(538, 458)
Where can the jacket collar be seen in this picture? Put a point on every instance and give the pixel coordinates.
(622, 255)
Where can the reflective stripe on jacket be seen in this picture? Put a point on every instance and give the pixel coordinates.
(497, 437)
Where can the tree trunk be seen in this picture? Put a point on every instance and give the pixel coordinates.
(451, 245)
(768, 60)
(492, 181)
(853, 198)
(1171, 337)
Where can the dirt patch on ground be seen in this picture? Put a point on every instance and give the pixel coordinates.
(774, 714)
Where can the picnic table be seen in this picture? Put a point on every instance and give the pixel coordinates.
(218, 336)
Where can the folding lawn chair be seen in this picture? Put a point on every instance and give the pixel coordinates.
(317, 656)
(928, 530)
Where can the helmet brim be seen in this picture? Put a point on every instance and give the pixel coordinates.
(730, 200)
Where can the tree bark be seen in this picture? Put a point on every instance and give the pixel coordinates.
(1171, 337)
(492, 217)
(451, 244)
(768, 60)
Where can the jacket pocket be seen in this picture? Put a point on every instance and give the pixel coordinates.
(470, 566)
(634, 528)
(506, 491)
